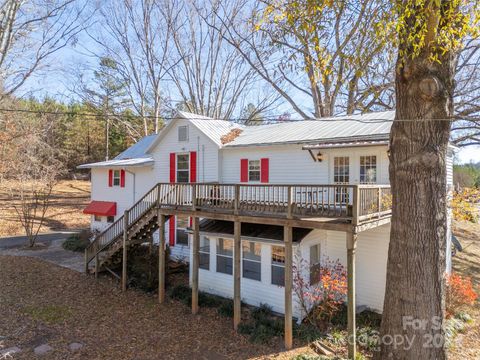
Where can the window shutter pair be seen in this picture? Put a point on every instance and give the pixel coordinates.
(122, 178)
(264, 170)
(193, 167)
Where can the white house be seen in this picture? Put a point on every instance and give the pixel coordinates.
(342, 151)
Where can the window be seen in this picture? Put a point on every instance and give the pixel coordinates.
(116, 178)
(97, 218)
(225, 256)
(278, 265)
(183, 133)
(368, 169)
(252, 265)
(341, 175)
(183, 168)
(253, 170)
(110, 219)
(314, 264)
(204, 253)
(182, 236)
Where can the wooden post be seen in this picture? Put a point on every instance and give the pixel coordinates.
(355, 204)
(194, 197)
(379, 200)
(237, 305)
(161, 257)
(97, 265)
(124, 258)
(351, 247)
(290, 202)
(236, 200)
(195, 263)
(287, 237)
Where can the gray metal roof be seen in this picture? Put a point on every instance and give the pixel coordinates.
(137, 150)
(119, 163)
(212, 128)
(308, 131)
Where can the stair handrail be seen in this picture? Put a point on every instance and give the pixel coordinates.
(115, 230)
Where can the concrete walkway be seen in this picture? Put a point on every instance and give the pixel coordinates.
(53, 252)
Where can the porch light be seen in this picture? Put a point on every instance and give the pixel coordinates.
(319, 157)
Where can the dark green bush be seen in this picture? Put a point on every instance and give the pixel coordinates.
(142, 267)
(307, 332)
(226, 308)
(182, 293)
(77, 242)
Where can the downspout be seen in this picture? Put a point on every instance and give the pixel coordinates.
(203, 163)
(134, 178)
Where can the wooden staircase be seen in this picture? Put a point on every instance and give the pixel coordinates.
(106, 248)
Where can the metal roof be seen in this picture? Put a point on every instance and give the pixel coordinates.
(212, 128)
(308, 131)
(257, 231)
(137, 150)
(134, 156)
(119, 163)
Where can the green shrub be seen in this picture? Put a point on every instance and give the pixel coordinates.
(368, 338)
(226, 308)
(77, 242)
(209, 300)
(307, 332)
(142, 267)
(182, 293)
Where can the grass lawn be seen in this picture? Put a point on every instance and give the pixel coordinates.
(65, 212)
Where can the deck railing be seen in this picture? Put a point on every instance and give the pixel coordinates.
(357, 203)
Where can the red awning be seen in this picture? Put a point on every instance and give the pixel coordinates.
(105, 208)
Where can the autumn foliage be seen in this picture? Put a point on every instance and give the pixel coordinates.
(460, 293)
(465, 204)
(321, 298)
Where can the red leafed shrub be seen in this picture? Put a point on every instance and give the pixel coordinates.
(460, 293)
(321, 297)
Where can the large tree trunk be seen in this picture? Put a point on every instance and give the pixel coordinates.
(416, 259)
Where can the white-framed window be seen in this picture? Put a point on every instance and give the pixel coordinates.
(315, 264)
(204, 253)
(183, 133)
(183, 168)
(97, 218)
(225, 256)
(110, 219)
(252, 260)
(116, 178)
(253, 170)
(278, 265)
(368, 169)
(181, 232)
(341, 175)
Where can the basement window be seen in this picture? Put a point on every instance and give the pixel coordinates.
(182, 236)
(252, 260)
(204, 253)
(278, 265)
(225, 256)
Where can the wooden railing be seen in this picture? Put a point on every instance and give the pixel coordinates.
(356, 203)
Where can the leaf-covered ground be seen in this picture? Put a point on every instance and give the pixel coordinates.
(43, 303)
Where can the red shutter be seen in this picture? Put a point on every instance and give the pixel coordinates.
(110, 178)
(193, 166)
(171, 231)
(264, 170)
(172, 167)
(122, 178)
(243, 170)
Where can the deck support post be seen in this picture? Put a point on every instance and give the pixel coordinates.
(161, 257)
(124, 257)
(287, 238)
(195, 263)
(97, 265)
(237, 246)
(351, 248)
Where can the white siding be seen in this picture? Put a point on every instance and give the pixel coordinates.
(289, 164)
(371, 262)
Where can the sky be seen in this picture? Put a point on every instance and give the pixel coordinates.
(58, 78)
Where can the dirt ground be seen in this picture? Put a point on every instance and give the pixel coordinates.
(65, 212)
(41, 303)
